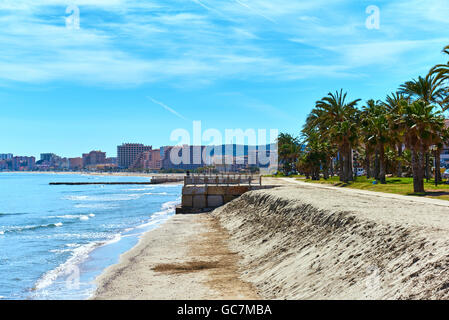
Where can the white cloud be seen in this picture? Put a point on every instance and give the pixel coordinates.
(130, 42)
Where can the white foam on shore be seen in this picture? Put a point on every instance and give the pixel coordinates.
(117, 197)
(96, 206)
(80, 253)
(72, 216)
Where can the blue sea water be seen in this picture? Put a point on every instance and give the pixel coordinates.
(55, 240)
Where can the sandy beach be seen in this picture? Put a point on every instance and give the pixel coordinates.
(297, 241)
(186, 258)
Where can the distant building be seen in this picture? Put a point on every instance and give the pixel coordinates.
(226, 158)
(150, 160)
(111, 161)
(444, 157)
(23, 163)
(75, 163)
(48, 157)
(6, 156)
(127, 153)
(93, 158)
(182, 157)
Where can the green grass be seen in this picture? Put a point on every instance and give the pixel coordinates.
(395, 185)
(280, 175)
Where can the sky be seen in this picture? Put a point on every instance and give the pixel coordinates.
(134, 71)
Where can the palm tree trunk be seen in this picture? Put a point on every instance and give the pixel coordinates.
(367, 166)
(382, 164)
(376, 165)
(326, 169)
(437, 166)
(399, 172)
(427, 167)
(351, 164)
(348, 165)
(342, 166)
(418, 171)
(331, 167)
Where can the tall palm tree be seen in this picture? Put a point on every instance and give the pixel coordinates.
(315, 156)
(431, 92)
(288, 151)
(339, 118)
(427, 89)
(423, 128)
(441, 76)
(375, 126)
(393, 107)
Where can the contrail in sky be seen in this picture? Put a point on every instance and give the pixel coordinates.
(172, 111)
(255, 11)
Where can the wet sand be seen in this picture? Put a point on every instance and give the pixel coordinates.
(186, 258)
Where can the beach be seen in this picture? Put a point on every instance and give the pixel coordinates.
(298, 241)
(186, 258)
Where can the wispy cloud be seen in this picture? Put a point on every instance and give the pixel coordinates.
(254, 11)
(130, 42)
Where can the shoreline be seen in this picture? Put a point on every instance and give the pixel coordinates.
(298, 241)
(186, 257)
(119, 174)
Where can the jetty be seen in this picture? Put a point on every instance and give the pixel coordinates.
(154, 180)
(204, 193)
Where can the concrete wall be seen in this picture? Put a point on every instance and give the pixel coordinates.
(206, 198)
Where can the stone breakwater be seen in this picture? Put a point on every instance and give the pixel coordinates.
(311, 243)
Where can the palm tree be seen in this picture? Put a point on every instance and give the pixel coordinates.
(288, 151)
(427, 89)
(375, 127)
(315, 155)
(339, 118)
(430, 91)
(441, 75)
(423, 128)
(393, 107)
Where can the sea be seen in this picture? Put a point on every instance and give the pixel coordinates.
(55, 240)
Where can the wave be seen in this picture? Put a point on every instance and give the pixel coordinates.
(71, 216)
(96, 206)
(167, 208)
(140, 189)
(118, 197)
(12, 214)
(155, 194)
(70, 266)
(17, 229)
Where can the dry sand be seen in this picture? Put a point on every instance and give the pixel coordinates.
(297, 241)
(308, 242)
(186, 258)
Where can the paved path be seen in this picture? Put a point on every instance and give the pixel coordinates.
(417, 199)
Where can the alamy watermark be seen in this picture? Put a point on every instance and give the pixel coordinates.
(251, 146)
(72, 21)
(373, 20)
(373, 282)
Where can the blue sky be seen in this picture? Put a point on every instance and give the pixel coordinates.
(136, 70)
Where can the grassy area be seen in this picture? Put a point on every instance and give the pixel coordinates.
(280, 175)
(402, 186)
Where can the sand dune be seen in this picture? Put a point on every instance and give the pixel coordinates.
(314, 243)
(293, 242)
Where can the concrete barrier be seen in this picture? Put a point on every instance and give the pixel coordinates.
(196, 199)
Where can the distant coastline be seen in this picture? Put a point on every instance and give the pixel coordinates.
(122, 174)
